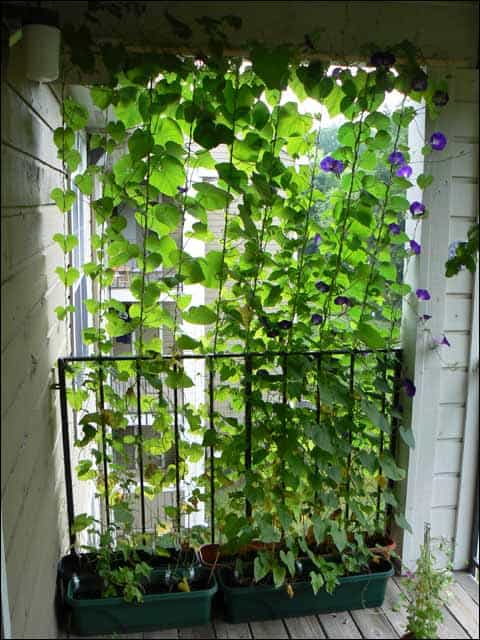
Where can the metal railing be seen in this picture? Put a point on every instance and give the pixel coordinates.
(388, 362)
(122, 277)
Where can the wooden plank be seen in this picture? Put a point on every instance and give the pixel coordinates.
(164, 634)
(463, 198)
(468, 583)
(373, 623)
(469, 477)
(225, 630)
(197, 633)
(448, 456)
(449, 628)
(268, 629)
(451, 418)
(306, 627)
(445, 491)
(453, 385)
(339, 625)
(464, 609)
(394, 609)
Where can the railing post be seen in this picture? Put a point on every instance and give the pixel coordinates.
(104, 443)
(177, 455)
(66, 452)
(382, 437)
(248, 424)
(349, 460)
(140, 445)
(211, 373)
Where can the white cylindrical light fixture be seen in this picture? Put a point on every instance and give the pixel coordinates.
(42, 52)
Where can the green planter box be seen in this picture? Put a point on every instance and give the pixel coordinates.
(263, 602)
(96, 616)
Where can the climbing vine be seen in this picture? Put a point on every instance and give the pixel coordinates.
(287, 275)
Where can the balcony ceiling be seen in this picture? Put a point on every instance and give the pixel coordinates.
(444, 31)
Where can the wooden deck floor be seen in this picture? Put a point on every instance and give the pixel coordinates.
(460, 621)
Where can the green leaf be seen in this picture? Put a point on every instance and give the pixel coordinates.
(402, 522)
(61, 312)
(166, 130)
(407, 437)
(260, 569)
(390, 469)
(279, 575)
(271, 65)
(211, 197)
(378, 121)
(370, 336)
(368, 160)
(103, 208)
(178, 379)
(339, 538)
(140, 144)
(289, 560)
(125, 170)
(74, 114)
(69, 276)
(199, 315)
(377, 418)
(72, 159)
(169, 176)
(85, 183)
(317, 581)
(168, 216)
(63, 200)
(388, 271)
(381, 141)
(84, 470)
(424, 180)
(81, 522)
(101, 96)
(67, 243)
(346, 134)
(64, 138)
(187, 343)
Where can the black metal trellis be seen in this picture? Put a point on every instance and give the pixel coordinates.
(249, 359)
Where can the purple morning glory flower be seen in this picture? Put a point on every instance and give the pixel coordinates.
(440, 98)
(395, 228)
(405, 171)
(338, 167)
(337, 72)
(426, 316)
(419, 82)
(327, 163)
(422, 294)
(322, 286)
(445, 341)
(382, 59)
(417, 208)
(285, 324)
(313, 245)
(396, 157)
(272, 333)
(415, 247)
(343, 300)
(409, 387)
(182, 189)
(316, 318)
(438, 141)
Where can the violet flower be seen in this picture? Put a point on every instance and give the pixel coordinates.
(396, 157)
(419, 82)
(415, 247)
(285, 324)
(327, 163)
(316, 318)
(382, 59)
(405, 171)
(438, 141)
(343, 300)
(440, 98)
(422, 294)
(272, 333)
(338, 167)
(426, 317)
(395, 228)
(312, 247)
(442, 341)
(182, 189)
(417, 208)
(322, 286)
(337, 72)
(409, 387)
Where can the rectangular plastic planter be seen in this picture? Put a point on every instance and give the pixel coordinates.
(262, 602)
(99, 616)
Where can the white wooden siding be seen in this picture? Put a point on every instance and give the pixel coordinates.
(441, 469)
(32, 467)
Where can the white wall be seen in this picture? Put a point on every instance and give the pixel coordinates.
(442, 467)
(34, 521)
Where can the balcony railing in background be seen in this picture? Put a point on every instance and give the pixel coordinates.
(122, 278)
(386, 362)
